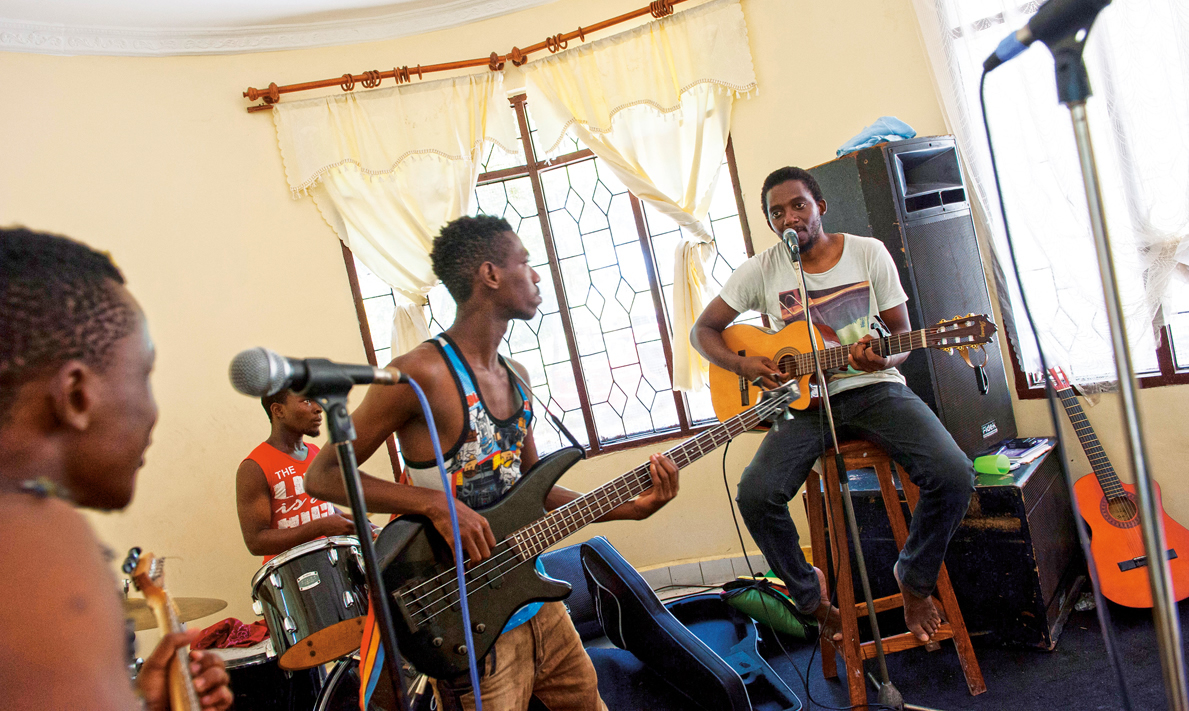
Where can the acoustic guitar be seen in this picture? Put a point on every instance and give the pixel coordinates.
(148, 574)
(1109, 509)
(418, 565)
(790, 349)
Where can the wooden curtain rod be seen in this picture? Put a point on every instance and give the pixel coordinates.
(495, 62)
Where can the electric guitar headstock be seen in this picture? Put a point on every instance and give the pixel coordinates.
(148, 575)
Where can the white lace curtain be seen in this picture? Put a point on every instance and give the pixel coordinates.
(387, 168)
(1139, 69)
(654, 104)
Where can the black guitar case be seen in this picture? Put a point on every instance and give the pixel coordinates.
(634, 619)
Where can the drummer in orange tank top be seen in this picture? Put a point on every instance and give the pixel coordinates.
(275, 512)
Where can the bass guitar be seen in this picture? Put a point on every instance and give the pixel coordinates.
(1109, 509)
(790, 349)
(418, 565)
(148, 574)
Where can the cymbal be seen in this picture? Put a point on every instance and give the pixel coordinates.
(189, 608)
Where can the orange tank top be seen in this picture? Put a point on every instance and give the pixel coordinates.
(291, 505)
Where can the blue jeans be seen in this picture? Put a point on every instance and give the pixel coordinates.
(891, 416)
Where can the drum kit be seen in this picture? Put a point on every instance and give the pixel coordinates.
(313, 597)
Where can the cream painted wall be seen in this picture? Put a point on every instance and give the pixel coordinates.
(157, 161)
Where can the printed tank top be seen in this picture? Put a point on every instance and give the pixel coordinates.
(485, 461)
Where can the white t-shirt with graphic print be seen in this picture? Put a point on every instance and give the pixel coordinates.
(843, 298)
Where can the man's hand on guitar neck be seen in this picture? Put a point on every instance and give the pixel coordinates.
(752, 367)
(863, 357)
(207, 669)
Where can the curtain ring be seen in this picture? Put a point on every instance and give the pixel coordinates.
(371, 79)
(518, 58)
(348, 82)
(581, 34)
(495, 62)
(661, 8)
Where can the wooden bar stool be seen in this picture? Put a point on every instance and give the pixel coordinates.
(858, 454)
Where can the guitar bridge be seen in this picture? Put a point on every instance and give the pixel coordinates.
(1142, 560)
(744, 395)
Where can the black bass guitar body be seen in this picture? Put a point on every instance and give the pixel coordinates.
(419, 574)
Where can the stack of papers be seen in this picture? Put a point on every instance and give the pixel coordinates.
(1022, 451)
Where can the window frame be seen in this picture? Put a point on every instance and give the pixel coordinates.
(532, 169)
(1027, 389)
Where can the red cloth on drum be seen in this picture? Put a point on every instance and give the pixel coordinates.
(231, 633)
(291, 505)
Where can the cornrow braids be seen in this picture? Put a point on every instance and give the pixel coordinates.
(57, 303)
(463, 246)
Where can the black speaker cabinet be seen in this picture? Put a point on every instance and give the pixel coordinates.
(1014, 562)
(910, 195)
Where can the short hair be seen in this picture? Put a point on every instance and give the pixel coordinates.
(463, 246)
(784, 175)
(58, 302)
(278, 398)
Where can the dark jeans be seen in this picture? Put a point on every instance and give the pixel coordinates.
(891, 416)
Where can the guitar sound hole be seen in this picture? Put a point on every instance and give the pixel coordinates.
(1120, 512)
(786, 364)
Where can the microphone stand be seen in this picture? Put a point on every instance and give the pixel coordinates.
(330, 391)
(1073, 88)
(888, 694)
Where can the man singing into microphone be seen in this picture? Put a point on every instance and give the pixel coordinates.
(275, 512)
(483, 416)
(851, 281)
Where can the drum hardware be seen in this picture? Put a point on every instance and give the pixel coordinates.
(311, 579)
(333, 554)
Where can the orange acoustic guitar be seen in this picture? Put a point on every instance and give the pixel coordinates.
(148, 573)
(789, 348)
(1108, 507)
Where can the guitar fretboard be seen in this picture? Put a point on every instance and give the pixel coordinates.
(1107, 479)
(565, 520)
(837, 357)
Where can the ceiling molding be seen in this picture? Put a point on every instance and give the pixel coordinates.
(47, 38)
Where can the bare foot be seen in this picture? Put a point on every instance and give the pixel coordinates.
(829, 621)
(920, 614)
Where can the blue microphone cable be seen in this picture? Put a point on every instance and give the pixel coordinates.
(458, 567)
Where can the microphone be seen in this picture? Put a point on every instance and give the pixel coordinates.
(789, 237)
(259, 372)
(1055, 20)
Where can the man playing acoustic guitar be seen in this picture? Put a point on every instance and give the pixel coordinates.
(483, 416)
(851, 280)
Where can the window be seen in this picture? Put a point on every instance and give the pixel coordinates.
(598, 349)
(1134, 61)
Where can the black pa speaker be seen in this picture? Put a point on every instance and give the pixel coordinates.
(910, 195)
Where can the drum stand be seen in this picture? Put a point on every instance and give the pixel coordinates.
(331, 394)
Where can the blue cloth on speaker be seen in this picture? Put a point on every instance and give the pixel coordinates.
(885, 128)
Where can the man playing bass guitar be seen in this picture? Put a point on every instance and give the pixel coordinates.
(851, 280)
(483, 417)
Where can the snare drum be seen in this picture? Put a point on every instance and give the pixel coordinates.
(313, 597)
(260, 685)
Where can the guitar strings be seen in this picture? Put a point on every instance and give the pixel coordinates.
(761, 410)
(558, 513)
(500, 560)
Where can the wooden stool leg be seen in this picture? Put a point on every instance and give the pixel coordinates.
(814, 511)
(856, 684)
(953, 615)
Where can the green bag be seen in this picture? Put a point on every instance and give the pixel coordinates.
(756, 598)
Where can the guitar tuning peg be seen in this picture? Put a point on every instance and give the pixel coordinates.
(131, 561)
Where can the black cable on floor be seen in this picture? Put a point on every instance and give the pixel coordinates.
(776, 635)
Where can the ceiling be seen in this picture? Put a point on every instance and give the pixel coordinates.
(176, 27)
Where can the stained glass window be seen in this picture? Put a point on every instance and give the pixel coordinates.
(597, 350)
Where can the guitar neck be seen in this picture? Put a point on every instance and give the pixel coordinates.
(837, 356)
(181, 683)
(565, 520)
(1107, 479)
